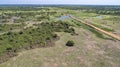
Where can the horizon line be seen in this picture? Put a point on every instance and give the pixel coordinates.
(64, 4)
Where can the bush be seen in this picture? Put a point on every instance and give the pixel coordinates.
(27, 37)
(55, 36)
(20, 32)
(9, 33)
(70, 43)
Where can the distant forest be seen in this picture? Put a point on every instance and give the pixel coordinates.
(99, 9)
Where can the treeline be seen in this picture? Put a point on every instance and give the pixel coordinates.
(88, 7)
(21, 8)
(22, 16)
(111, 10)
(105, 12)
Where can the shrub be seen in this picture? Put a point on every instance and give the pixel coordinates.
(9, 48)
(9, 33)
(70, 43)
(30, 36)
(55, 36)
(72, 29)
(20, 32)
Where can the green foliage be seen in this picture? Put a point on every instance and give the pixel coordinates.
(31, 36)
(9, 27)
(117, 18)
(70, 43)
(19, 20)
(55, 36)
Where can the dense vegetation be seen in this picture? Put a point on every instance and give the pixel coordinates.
(107, 10)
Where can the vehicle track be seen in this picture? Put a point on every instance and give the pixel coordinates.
(96, 28)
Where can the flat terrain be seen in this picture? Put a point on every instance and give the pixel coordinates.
(91, 49)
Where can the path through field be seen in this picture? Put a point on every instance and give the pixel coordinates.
(96, 28)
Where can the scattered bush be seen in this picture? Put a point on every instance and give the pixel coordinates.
(70, 43)
(31, 36)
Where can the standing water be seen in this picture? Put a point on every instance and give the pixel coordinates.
(64, 17)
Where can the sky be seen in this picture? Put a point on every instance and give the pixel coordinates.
(81, 2)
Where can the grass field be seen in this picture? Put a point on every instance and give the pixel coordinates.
(89, 51)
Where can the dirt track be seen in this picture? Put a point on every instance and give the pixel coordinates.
(105, 32)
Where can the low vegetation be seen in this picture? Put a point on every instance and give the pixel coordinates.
(70, 43)
(28, 27)
(31, 37)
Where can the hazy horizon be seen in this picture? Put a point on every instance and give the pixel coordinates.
(67, 2)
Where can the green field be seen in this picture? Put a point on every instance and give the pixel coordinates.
(37, 37)
(88, 51)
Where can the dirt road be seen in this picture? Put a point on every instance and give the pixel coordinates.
(96, 28)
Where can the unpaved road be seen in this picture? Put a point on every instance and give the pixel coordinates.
(96, 28)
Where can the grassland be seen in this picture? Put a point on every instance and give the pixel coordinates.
(91, 49)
